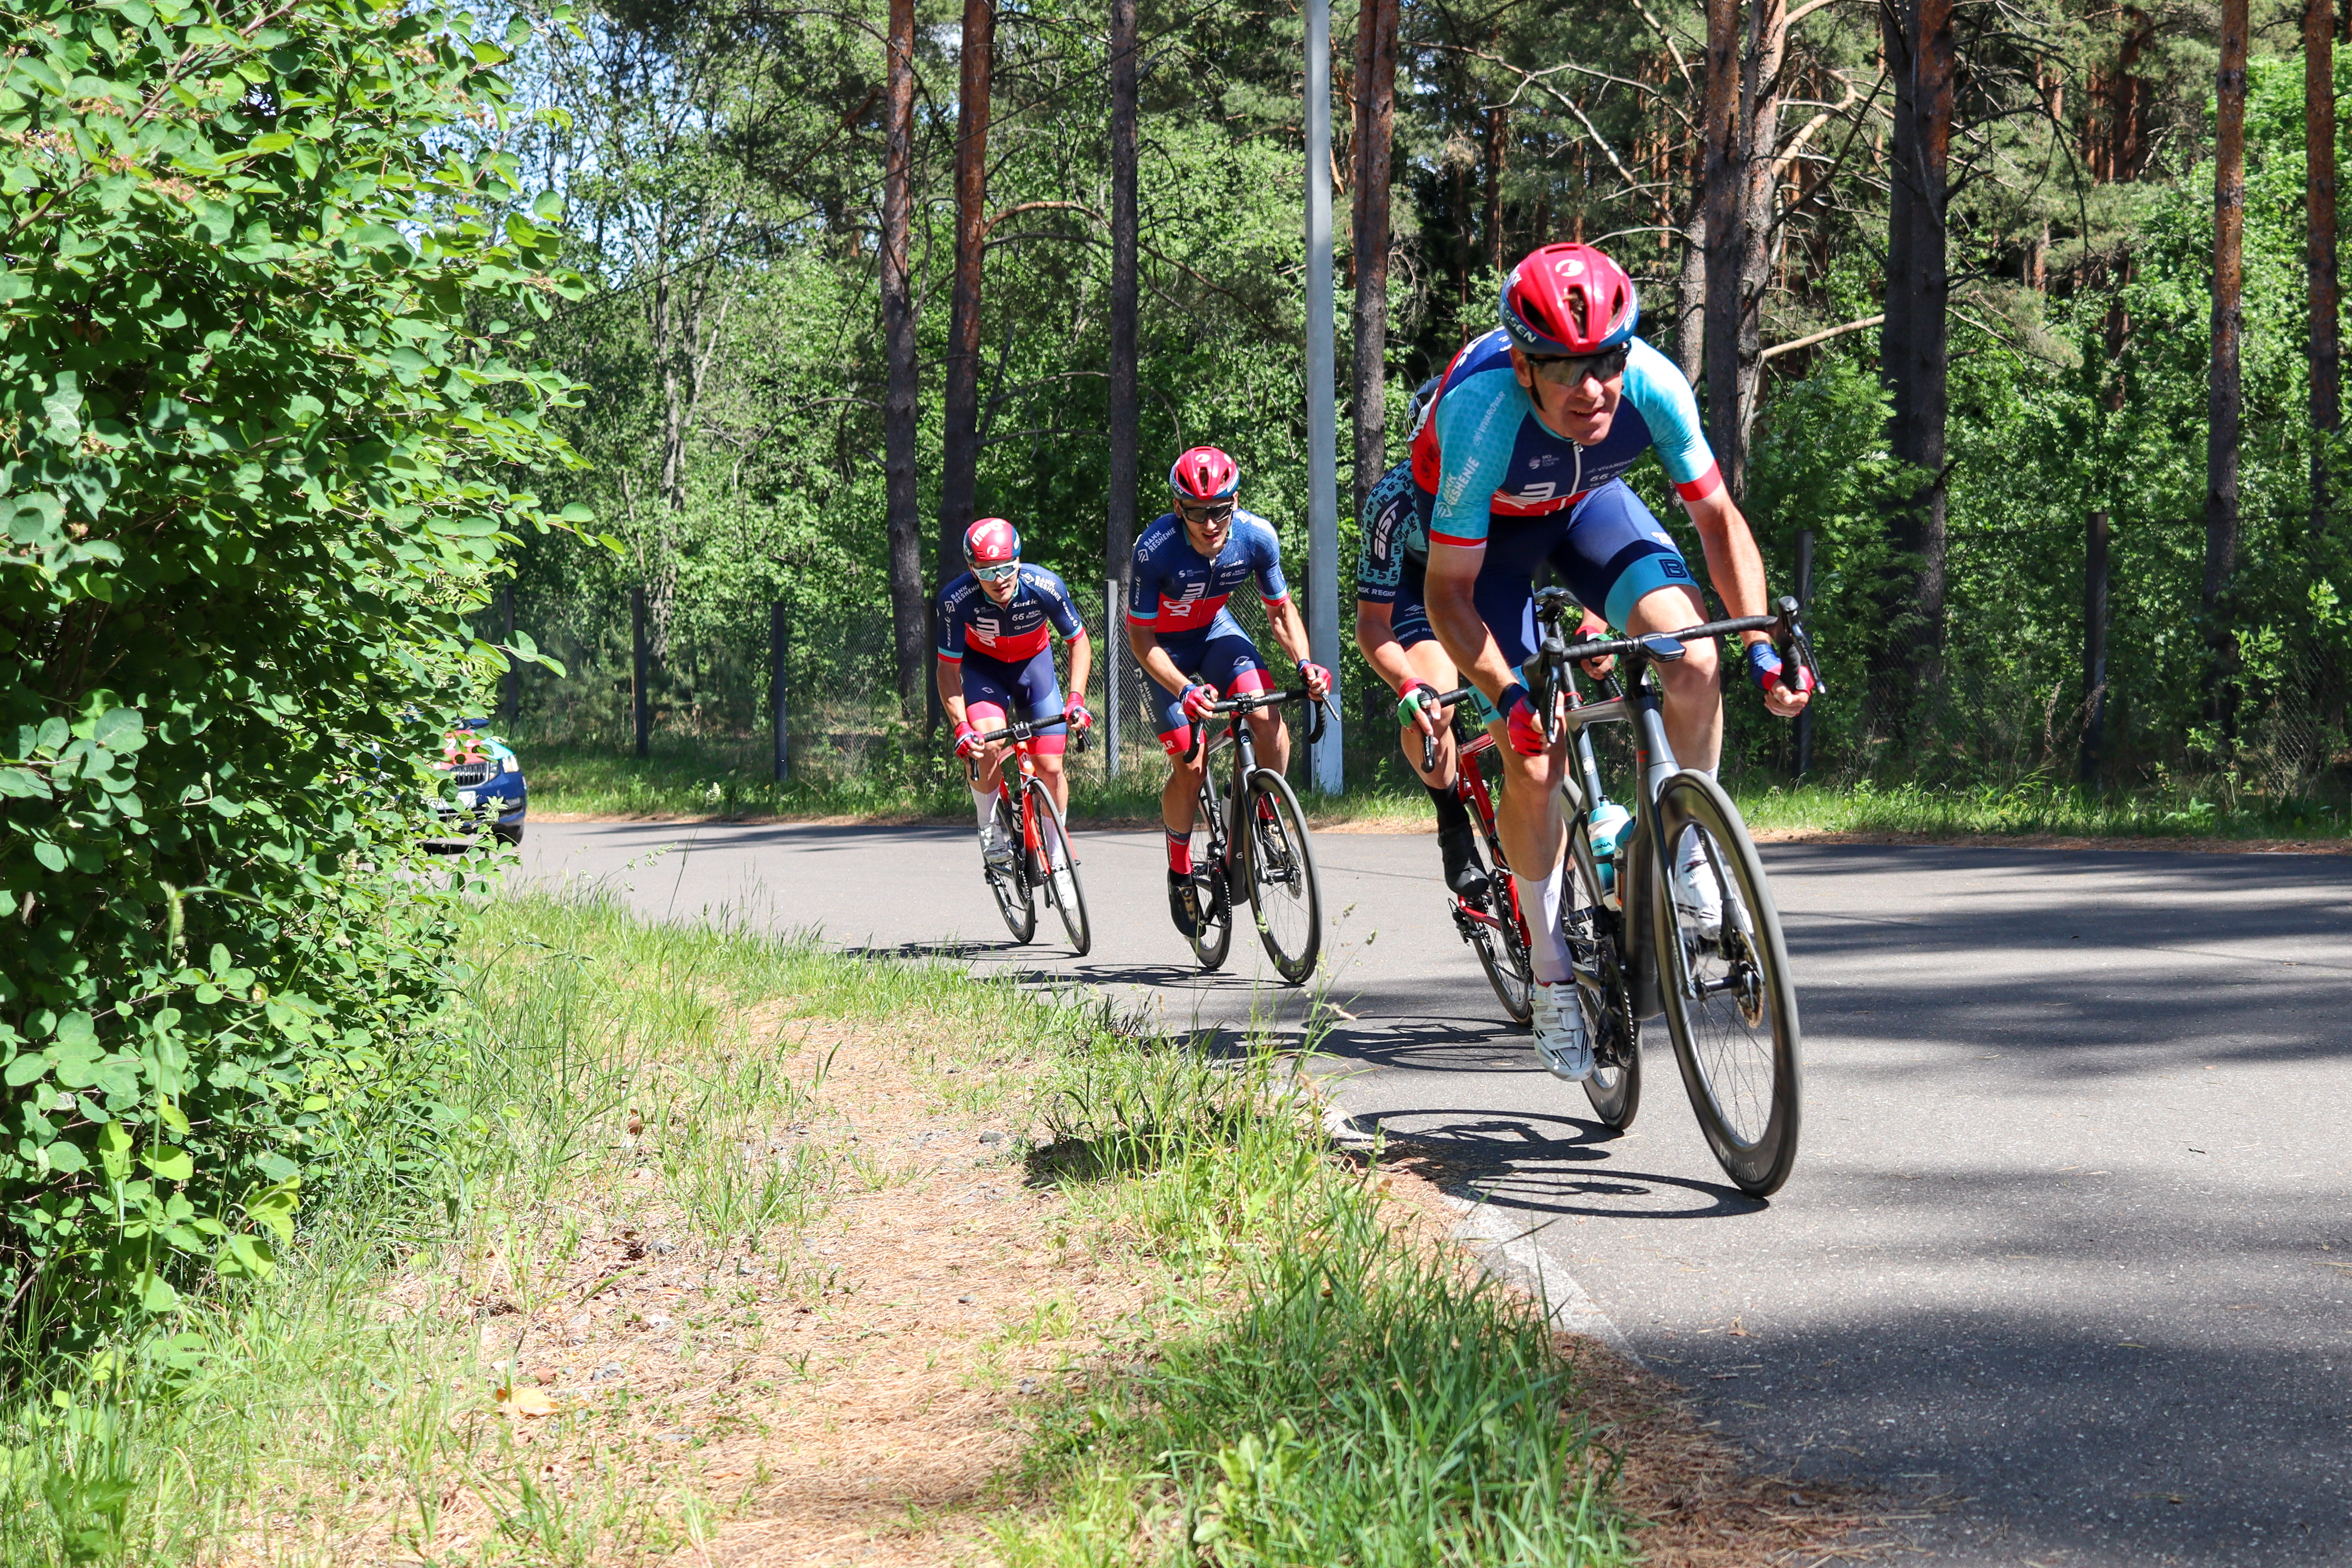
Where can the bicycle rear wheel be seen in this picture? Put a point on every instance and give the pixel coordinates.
(1215, 938)
(1061, 889)
(1595, 940)
(1730, 1008)
(1285, 891)
(1014, 899)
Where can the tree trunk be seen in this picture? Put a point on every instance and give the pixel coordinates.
(1376, 42)
(1759, 143)
(1915, 353)
(910, 629)
(1690, 294)
(1119, 531)
(1498, 120)
(2222, 395)
(1722, 189)
(959, 457)
(2319, 147)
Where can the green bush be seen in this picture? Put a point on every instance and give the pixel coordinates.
(257, 434)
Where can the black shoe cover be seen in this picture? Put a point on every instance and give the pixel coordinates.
(1185, 903)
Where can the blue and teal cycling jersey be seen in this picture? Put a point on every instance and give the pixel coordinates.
(1395, 549)
(1481, 453)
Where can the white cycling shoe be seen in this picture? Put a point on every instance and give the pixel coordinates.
(998, 856)
(1562, 1040)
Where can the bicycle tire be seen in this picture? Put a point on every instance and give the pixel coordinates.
(1595, 941)
(1284, 887)
(1503, 954)
(1744, 1087)
(1215, 937)
(1064, 892)
(1016, 899)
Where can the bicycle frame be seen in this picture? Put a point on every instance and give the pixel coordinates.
(1235, 711)
(1021, 736)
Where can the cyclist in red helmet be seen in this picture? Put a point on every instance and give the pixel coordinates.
(996, 658)
(1187, 563)
(1521, 458)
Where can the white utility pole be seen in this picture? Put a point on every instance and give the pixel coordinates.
(1322, 431)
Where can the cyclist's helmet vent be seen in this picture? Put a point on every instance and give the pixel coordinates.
(1205, 474)
(991, 542)
(1569, 300)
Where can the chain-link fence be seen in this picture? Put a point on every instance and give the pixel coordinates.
(709, 680)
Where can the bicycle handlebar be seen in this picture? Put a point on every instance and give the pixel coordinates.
(1250, 702)
(1025, 730)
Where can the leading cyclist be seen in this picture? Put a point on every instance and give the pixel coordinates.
(1187, 564)
(1523, 453)
(996, 658)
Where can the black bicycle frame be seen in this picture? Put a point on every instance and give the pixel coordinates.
(1235, 711)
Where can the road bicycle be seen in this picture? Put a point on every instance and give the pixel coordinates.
(1027, 820)
(1729, 1004)
(1257, 838)
(1492, 924)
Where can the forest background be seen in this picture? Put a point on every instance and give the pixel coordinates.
(1955, 319)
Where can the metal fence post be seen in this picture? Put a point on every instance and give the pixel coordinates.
(776, 685)
(1803, 759)
(1113, 643)
(2094, 644)
(1322, 436)
(639, 699)
(511, 697)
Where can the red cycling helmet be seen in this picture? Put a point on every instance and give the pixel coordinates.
(1205, 474)
(1569, 300)
(991, 542)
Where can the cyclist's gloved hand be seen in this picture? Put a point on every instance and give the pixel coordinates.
(967, 739)
(1593, 629)
(1527, 730)
(1075, 714)
(1317, 679)
(1419, 698)
(1197, 699)
(1764, 669)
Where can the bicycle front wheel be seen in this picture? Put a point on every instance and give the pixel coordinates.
(1062, 888)
(1595, 942)
(1285, 891)
(1215, 938)
(1014, 899)
(1730, 1008)
(1503, 953)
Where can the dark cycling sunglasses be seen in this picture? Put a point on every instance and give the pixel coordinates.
(1203, 510)
(1570, 370)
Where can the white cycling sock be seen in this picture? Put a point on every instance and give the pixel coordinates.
(984, 805)
(1547, 949)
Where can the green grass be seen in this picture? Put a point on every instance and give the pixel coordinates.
(2037, 807)
(689, 778)
(1307, 1388)
(1354, 1399)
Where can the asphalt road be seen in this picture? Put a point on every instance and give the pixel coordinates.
(2068, 1249)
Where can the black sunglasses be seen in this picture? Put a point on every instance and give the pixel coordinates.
(1570, 370)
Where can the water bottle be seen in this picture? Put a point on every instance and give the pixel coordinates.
(1610, 823)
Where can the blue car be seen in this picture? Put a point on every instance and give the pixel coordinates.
(481, 785)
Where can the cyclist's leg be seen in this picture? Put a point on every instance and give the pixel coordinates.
(1231, 663)
(1620, 561)
(991, 693)
(1526, 817)
(1179, 798)
(1041, 692)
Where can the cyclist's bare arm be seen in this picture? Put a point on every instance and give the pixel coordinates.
(949, 676)
(1453, 615)
(1289, 630)
(1082, 661)
(1736, 568)
(1376, 640)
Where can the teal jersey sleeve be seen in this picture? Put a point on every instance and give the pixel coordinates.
(1477, 427)
(1667, 405)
